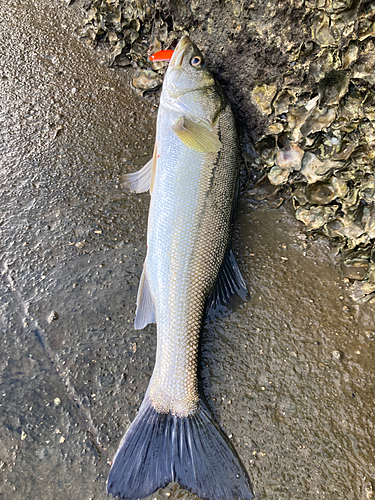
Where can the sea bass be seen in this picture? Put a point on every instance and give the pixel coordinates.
(189, 266)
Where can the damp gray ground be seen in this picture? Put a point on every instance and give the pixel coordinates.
(290, 376)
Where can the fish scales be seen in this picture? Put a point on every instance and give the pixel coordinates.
(193, 179)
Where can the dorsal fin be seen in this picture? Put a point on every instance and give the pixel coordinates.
(230, 289)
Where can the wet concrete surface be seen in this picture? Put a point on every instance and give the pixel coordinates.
(290, 376)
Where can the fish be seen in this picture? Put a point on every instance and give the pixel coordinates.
(189, 269)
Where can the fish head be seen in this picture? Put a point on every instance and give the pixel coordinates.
(187, 69)
(189, 84)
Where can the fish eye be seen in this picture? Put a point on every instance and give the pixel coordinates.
(196, 61)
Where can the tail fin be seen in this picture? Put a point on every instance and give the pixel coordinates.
(192, 451)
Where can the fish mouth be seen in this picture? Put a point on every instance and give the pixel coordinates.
(179, 52)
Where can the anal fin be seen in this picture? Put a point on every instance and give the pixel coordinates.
(230, 289)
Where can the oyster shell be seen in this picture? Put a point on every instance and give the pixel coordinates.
(262, 96)
(146, 80)
(355, 269)
(299, 196)
(326, 61)
(318, 120)
(349, 200)
(356, 264)
(333, 87)
(322, 193)
(369, 220)
(363, 291)
(320, 30)
(267, 149)
(315, 170)
(315, 217)
(278, 176)
(350, 226)
(282, 102)
(369, 106)
(275, 128)
(296, 118)
(349, 55)
(363, 68)
(290, 157)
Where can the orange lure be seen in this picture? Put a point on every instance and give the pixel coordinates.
(162, 55)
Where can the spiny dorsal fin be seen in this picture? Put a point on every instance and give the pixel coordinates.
(196, 136)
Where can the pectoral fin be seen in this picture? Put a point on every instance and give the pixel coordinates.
(153, 168)
(143, 180)
(196, 136)
(145, 304)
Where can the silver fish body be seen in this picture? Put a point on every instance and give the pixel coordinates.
(188, 236)
(193, 179)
